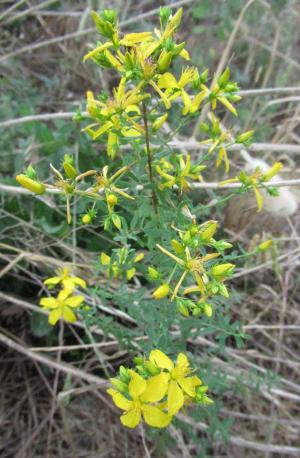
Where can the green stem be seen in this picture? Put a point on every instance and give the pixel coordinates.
(149, 156)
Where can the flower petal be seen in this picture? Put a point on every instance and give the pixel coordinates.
(49, 302)
(182, 361)
(161, 360)
(188, 385)
(175, 398)
(156, 388)
(119, 399)
(131, 419)
(74, 301)
(69, 315)
(137, 385)
(64, 293)
(79, 281)
(54, 316)
(53, 281)
(155, 417)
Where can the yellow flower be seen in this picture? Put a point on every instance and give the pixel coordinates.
(142, 393)
(181, 382)
(176, 88)
(116, 115)
(69, 282)
(61, 307)
(182, 170)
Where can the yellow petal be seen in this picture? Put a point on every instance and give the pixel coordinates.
(63, 294)
(69, 315)
(74, 301)
(106, 126)
(161, 360)
(131, 419)
(259, 198)
(79, 281)
(175, 398)
(137, 385)
(200, 282)
(55, 316)
(156, 388)
(139, 257)
(184, 54)
(182, 361)
(49, 302)
(97, 50)
(52, 281)
(228, 105)
(167, 81)
(132, 38)
(187, 384)
(161, 94)
(130, 273)
(119, 399)
(155, 417)
(105, 259)
(130, 132)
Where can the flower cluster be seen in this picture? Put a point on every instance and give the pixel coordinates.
(256, 181)
(190, 255)
(177, 171)
(121, 263)
(156, 390)
(62, 306)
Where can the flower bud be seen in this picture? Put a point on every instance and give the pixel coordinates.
(208, 232)
(104, 259)
(242, 138)
(183, 309)
(162, 291)
(176, 19)
(124, 374)
(164, 61)
(153, 273)
(272, 171)
(265, 245)
(152, 368)
(222, 270)
(177, 247)
(69, 168)
(112, 200)
(221, 245)
(207, 310)
(118, 384)
(86, 219)
(224, 78)
(159, 122)
(34, 186)
(139, 257)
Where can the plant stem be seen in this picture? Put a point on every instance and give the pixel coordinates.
(149, 156)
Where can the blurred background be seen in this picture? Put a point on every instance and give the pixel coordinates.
(42, 85)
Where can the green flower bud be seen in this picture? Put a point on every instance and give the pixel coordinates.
(119, 385)
(224, 78)
(265, 245)
(222, 270)
(86, 219)
(153, 273)
(151, 368)
(243, 138)
(177, 247)
(209, 230)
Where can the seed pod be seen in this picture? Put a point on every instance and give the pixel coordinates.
(34, 186)
(162, 291)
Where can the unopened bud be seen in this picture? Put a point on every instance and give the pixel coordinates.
(34, 186)
(161, 292)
